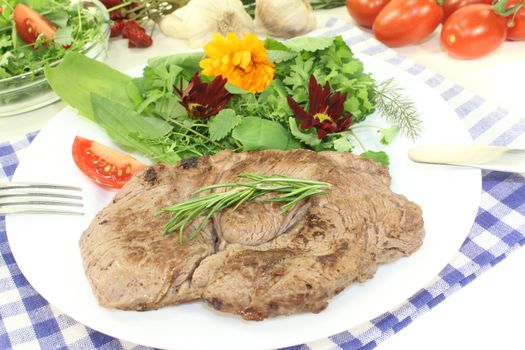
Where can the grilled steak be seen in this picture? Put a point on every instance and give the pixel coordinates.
(254, 261)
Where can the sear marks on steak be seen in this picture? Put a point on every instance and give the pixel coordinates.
(254, 261)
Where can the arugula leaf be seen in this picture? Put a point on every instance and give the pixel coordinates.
(257, 134)
(309, 43)
(309, 137)
(77, 76)
(380, 157)
(223, 123)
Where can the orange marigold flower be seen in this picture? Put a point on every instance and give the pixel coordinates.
(243, 62)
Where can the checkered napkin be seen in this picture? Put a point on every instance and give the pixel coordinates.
(28, 321)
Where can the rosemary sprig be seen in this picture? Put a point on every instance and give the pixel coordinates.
(290, 190)
(398, 109)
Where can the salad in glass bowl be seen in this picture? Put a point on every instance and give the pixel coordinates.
(36, 33)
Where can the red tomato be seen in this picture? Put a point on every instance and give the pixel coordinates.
(451, 6)
(30, 24)
(473, 31)
(404, 22)
(104, 165)
(516, 31)
(364, 12)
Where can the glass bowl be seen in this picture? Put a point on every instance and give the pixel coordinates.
(29, 91)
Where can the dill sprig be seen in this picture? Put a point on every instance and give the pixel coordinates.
(398, 109)
(290, 191)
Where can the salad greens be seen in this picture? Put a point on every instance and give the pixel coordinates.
(76, 27)
(146, 114)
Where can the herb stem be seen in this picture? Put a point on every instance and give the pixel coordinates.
(195, 132)
(357, 140)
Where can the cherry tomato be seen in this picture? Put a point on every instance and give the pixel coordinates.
(450, 6)
(102, 164)
(30, 24)
(404, 22)
(473, 31)
(364, 12)
(517, 30)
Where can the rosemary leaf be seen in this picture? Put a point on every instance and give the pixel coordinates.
(398, 109)
(291, 190)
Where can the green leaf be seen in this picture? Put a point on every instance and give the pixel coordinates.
(4, 59)
(134, 93)
(223, 123)
(310, 44)
(352, 67)
(5, 41)
(64, 36)
(387, 135)
(380, 157)
(278, 56)
(308, 137)
(342, 144)
(58, 18)
(77, 76)
(128, 128)
(272, 44)
(256, 134)
(235, 90)
(189, 62)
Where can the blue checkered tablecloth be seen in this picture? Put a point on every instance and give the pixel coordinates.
(27, 321)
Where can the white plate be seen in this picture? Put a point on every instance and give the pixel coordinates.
(46, 247)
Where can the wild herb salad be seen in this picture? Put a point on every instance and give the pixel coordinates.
(73, 26)
(239, 94)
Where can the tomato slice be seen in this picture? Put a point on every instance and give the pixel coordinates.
(30, 24)
(104, 165)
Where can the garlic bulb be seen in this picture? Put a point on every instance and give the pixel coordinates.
(285, 18)
(199, 19)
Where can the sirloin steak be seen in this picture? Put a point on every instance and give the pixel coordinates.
(254, 261)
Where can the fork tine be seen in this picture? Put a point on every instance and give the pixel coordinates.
(39, 198)
(28, 210)
(26, 185)
(39, 202)
(40, 194)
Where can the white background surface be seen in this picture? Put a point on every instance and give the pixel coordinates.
(486, 314)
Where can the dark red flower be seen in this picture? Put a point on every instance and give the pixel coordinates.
(326, 111)
(203, 100)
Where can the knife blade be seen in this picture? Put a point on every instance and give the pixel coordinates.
(471, 155)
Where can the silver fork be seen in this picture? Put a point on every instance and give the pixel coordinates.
(40, 198)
